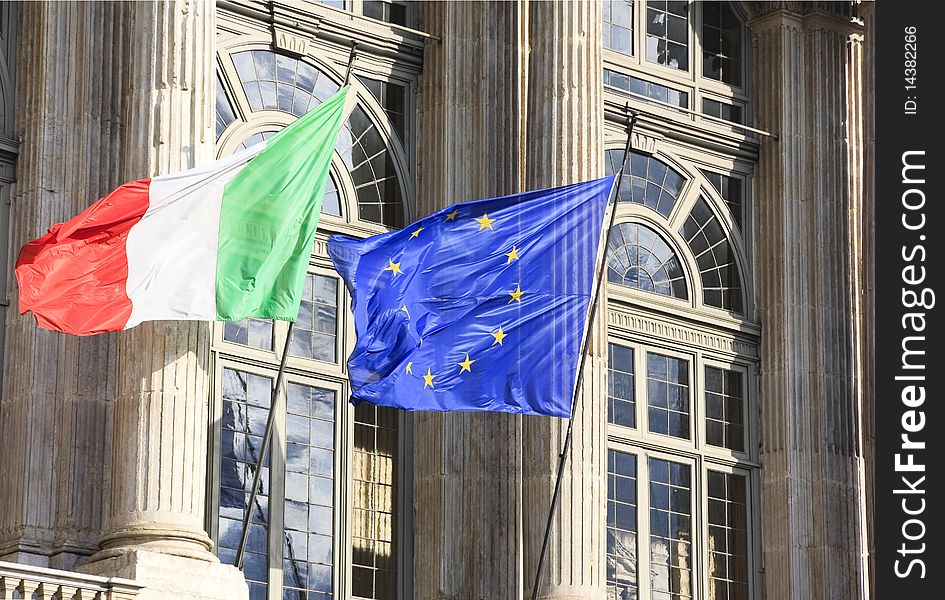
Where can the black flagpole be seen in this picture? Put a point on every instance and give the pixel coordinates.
(563, 457)
(266, 442)
(270, 420)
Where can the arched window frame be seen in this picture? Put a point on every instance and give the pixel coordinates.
(249, 122)
(695, 185)
(308, 371)
(705, 337)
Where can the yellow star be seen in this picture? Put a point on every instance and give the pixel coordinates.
(404, 308)
(513, 255)
(393, 267)
(517, 294)
(409, 369)
(451, 216)
(416, 233)
(466, 364)
(485, 222)
(499, 336)
(428, 379)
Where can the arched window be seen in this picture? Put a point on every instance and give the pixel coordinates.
(721, 283)
(270, 81)
(326, 520)
(638, 257)
(649, 182)
(682, 452)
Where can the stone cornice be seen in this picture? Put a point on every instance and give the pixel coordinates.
(692, 336)
(831, 16)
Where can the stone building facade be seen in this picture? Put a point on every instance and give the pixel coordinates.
(723, 440)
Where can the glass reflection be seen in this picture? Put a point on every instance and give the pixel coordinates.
(670, 530)
(621, 525)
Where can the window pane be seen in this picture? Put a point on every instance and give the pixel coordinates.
(277, 82)
(315, 331)
(730, 188)
(721, 43)
(667, 34)
(668, 395)
(721, 283)
(722, 110)
(621, 406)
(246, 399)
(309, 477)
(670, 530)
(727, 536)
(249, 332)
(648, 181)
(638, 257)
(630, 85)
(618, 23)
(724, 399)
(392, 97)
(374, 498)
(621, 525)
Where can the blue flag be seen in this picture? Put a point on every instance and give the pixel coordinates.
(481, 306)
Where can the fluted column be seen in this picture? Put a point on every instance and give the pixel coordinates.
(806, 196)
(867, 312)
(166, 52)
(565, 144)
(55, 407)
(467, 503)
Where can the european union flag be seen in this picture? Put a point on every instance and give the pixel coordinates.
(481, 306)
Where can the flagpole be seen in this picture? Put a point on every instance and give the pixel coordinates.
(563, 457)
(351, 56)
(266, 442)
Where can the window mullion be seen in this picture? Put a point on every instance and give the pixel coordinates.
(643, 525)
(277, 452)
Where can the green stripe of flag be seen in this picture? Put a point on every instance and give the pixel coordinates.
(268, 218)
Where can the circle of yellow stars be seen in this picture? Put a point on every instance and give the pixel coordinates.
(485, 223)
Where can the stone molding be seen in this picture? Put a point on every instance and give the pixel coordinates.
(659, 328)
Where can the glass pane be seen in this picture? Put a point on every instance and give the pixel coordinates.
(256, 333)
(309, 492)
(728, 536)
(245, 398)
(667, 34)
(621, 405)
(638, 257)
(670, 529)
(721, 43)
(668, 395)
(714, 253)
(374, 498)
(724, 420)
(621, 525)
(618, 23)
(315, 332)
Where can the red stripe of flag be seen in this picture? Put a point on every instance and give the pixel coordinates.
(73, 278)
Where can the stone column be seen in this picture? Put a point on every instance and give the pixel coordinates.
(155, 532)
(867, 285)
(805, 198)
(565, 144)
(467, 503)
(55, 409)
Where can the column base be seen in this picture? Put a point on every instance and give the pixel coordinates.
(169, 577)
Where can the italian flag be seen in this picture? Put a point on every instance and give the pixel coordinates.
(224, 241)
